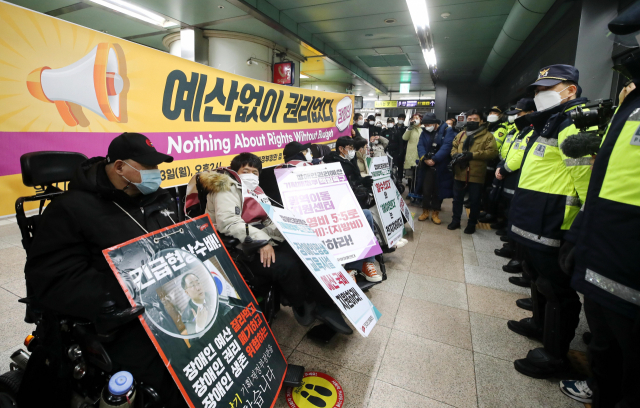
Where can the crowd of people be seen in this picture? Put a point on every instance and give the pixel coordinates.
(568, 222)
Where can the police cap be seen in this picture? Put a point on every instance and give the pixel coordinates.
(523, 105)
(554, 74)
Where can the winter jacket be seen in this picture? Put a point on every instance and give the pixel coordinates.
(412, 136)
(67, 272)
(443, 140)
(361, 159)
(224, 206)
(484, 149)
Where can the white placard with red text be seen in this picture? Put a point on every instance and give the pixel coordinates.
(322, 196)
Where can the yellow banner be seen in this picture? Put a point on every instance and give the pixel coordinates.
(69, 88)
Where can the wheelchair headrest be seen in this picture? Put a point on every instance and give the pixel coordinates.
(45, 168)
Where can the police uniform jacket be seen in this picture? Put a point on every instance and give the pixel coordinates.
(509, 166)
(552, 186)
(607, 231)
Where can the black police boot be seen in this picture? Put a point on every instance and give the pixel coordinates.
(520, 281)
(470, 229)
(586, 337)
(503, 238)
(505, 252)
(526, 304)
(499, 225)
(455, 224)
(501, 232)
(487, 219)
(467, 203)
(482, 214)
(541, 364)
(526, 327)
(513, 266)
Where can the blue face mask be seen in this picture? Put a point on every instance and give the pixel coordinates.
(150, 180)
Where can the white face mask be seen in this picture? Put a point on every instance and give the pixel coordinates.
(548, 99)
(361, 122)
(308, 156)
(249, 180)
(375, 142)
(512, 118)
(416, 121)
(372, 122)
(400, 121)
(493, 118)
(351, 154)
(429, 128)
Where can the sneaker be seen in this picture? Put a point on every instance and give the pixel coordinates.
(353, 273)
(370, 273)
(578, 390)
(402, 243)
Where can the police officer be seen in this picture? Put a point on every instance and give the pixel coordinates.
(607, 240)
(499, 129)
(551, 189)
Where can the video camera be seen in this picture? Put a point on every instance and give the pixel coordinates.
(458, 159)
(587, 142)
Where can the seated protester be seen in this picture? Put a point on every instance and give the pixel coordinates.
(318, 151)
(294, 154)
(110, 201)
(277, 262)
(360, 146)
(361, 186)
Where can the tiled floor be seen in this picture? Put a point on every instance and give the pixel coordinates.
(442, 340)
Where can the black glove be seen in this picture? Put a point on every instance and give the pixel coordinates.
(566, 258)
(468, 156)
(367, 181)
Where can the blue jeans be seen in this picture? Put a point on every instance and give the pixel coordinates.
(357, 265)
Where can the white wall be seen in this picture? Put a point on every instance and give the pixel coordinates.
(231, 55)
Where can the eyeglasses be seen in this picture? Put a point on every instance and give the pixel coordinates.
(193, 284)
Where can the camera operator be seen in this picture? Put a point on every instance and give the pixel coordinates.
(551, 189)
(434, 149)
(606, 240)
(109, 202)
(472, 149)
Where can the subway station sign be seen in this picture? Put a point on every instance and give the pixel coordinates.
(430, 103)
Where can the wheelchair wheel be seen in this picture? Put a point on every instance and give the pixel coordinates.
(9, 385)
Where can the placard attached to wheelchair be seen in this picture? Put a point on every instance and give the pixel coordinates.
(200, 315)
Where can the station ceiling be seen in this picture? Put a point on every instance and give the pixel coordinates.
(371, 44)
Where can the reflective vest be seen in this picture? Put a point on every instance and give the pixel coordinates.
(506, 145)
(510, 166)
(608, 229)
(552, 186)
(500, 133)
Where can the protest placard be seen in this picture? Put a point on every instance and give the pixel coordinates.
(322, 195)
(384, 192)
(325, 268)
(406, 212)
(200, 315)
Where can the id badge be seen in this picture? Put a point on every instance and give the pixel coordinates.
(540, 149)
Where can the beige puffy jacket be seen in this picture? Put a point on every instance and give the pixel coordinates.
(412, 136)
(224, 206)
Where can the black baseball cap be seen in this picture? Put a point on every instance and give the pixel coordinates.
(554, 74)
(524, 104)
(134, 146)
(293, 148)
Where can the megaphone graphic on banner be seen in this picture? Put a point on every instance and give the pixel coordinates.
(94, 82)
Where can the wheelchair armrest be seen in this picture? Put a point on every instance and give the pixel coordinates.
(109, 320)
(229, 241)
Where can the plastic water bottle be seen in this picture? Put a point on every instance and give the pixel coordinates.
(120, 392)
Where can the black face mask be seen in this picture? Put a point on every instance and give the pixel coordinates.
(521, 122)
(471, 126)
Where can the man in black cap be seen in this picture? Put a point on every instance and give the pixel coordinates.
(551, 189)
(110, 201)
(606, 241)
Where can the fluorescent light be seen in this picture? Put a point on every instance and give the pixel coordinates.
(303, 76)
(419, 14)
(404, 88)
(138, 12)
(430, 57)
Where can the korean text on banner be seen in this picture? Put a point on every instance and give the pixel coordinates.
(70, 88)
(385, 193)
(322, 195)
(200, 315)
(326, 269)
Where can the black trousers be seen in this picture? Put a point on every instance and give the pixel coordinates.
(614, 354)
(291, 275)
(475, 192)
(554, 293)
(430, 190)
